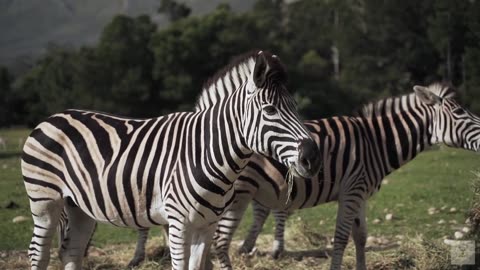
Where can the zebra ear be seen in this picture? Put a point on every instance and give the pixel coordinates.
(426, 96)
(260, 70)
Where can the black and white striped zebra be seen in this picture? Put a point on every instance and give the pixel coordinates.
(177, 169)
(357, 152)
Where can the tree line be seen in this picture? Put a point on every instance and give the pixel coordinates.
(338, 54)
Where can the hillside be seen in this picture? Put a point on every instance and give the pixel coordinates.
(28, 26)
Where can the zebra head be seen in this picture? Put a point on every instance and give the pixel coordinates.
(452, 124)
(271, 124)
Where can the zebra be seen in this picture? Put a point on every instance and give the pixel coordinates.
(357, 153)
(80, 167)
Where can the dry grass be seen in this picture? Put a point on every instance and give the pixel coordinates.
(474, 212)
(306, 249)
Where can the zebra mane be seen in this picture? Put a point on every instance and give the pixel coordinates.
(443, 90)
(239, 69)
(393, 105)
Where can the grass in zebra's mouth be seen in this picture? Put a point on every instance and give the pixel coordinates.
(289, 177)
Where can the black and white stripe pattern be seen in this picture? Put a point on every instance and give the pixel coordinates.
(177, 169)
(358, 152)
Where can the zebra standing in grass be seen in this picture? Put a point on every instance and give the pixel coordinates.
(177, 169)
(357, 153)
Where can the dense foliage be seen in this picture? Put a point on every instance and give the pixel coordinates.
(338, 54)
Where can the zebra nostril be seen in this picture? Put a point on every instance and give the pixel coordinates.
(305, 163)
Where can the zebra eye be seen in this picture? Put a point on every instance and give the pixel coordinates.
(270, 109)
(458, 110)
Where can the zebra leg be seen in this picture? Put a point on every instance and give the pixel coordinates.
(200, 243)
(347, 210)
(359, 233)
(279, 242)
(78, 234)
(260, 214)
(139, 256)
(178, 242)
(142, 238)
(227, 227)
(46, 215)
(165, 235)
(62, 229)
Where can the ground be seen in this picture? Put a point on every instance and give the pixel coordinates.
(428, 198)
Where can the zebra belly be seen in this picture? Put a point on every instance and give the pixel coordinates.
(158, 214)
(140, 218)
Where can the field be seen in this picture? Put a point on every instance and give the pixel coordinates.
(440, 178)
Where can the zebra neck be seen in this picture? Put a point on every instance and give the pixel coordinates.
(403, 135)
(225, 153)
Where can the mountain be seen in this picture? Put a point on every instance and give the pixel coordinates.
(28, 26)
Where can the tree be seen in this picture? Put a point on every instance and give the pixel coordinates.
(447, 32)
(122, 63)
(471, 58)
(191, 50)
(48, 87)
(174, 10)
(5, 97)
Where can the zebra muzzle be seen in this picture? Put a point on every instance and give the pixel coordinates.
(308, 158)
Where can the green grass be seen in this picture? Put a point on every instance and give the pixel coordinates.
(434, 179)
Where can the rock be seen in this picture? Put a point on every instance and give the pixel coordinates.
(389, 217)
(448, 241)
(441, 221)
(321, 222)
(385, 181)
(453, 221)
(467, 221)
(398, 236)
(443, 208)
(376, 221)
(3, 255)
(432, 210)
(371, 240)
(453, 210)
(19, 219)
(383, 241)
(458, 235)
(96, 252)
(466, 229)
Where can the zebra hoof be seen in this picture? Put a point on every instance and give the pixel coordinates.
(243, 250)
(208, 264)
(135, 262)
(276, 254)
